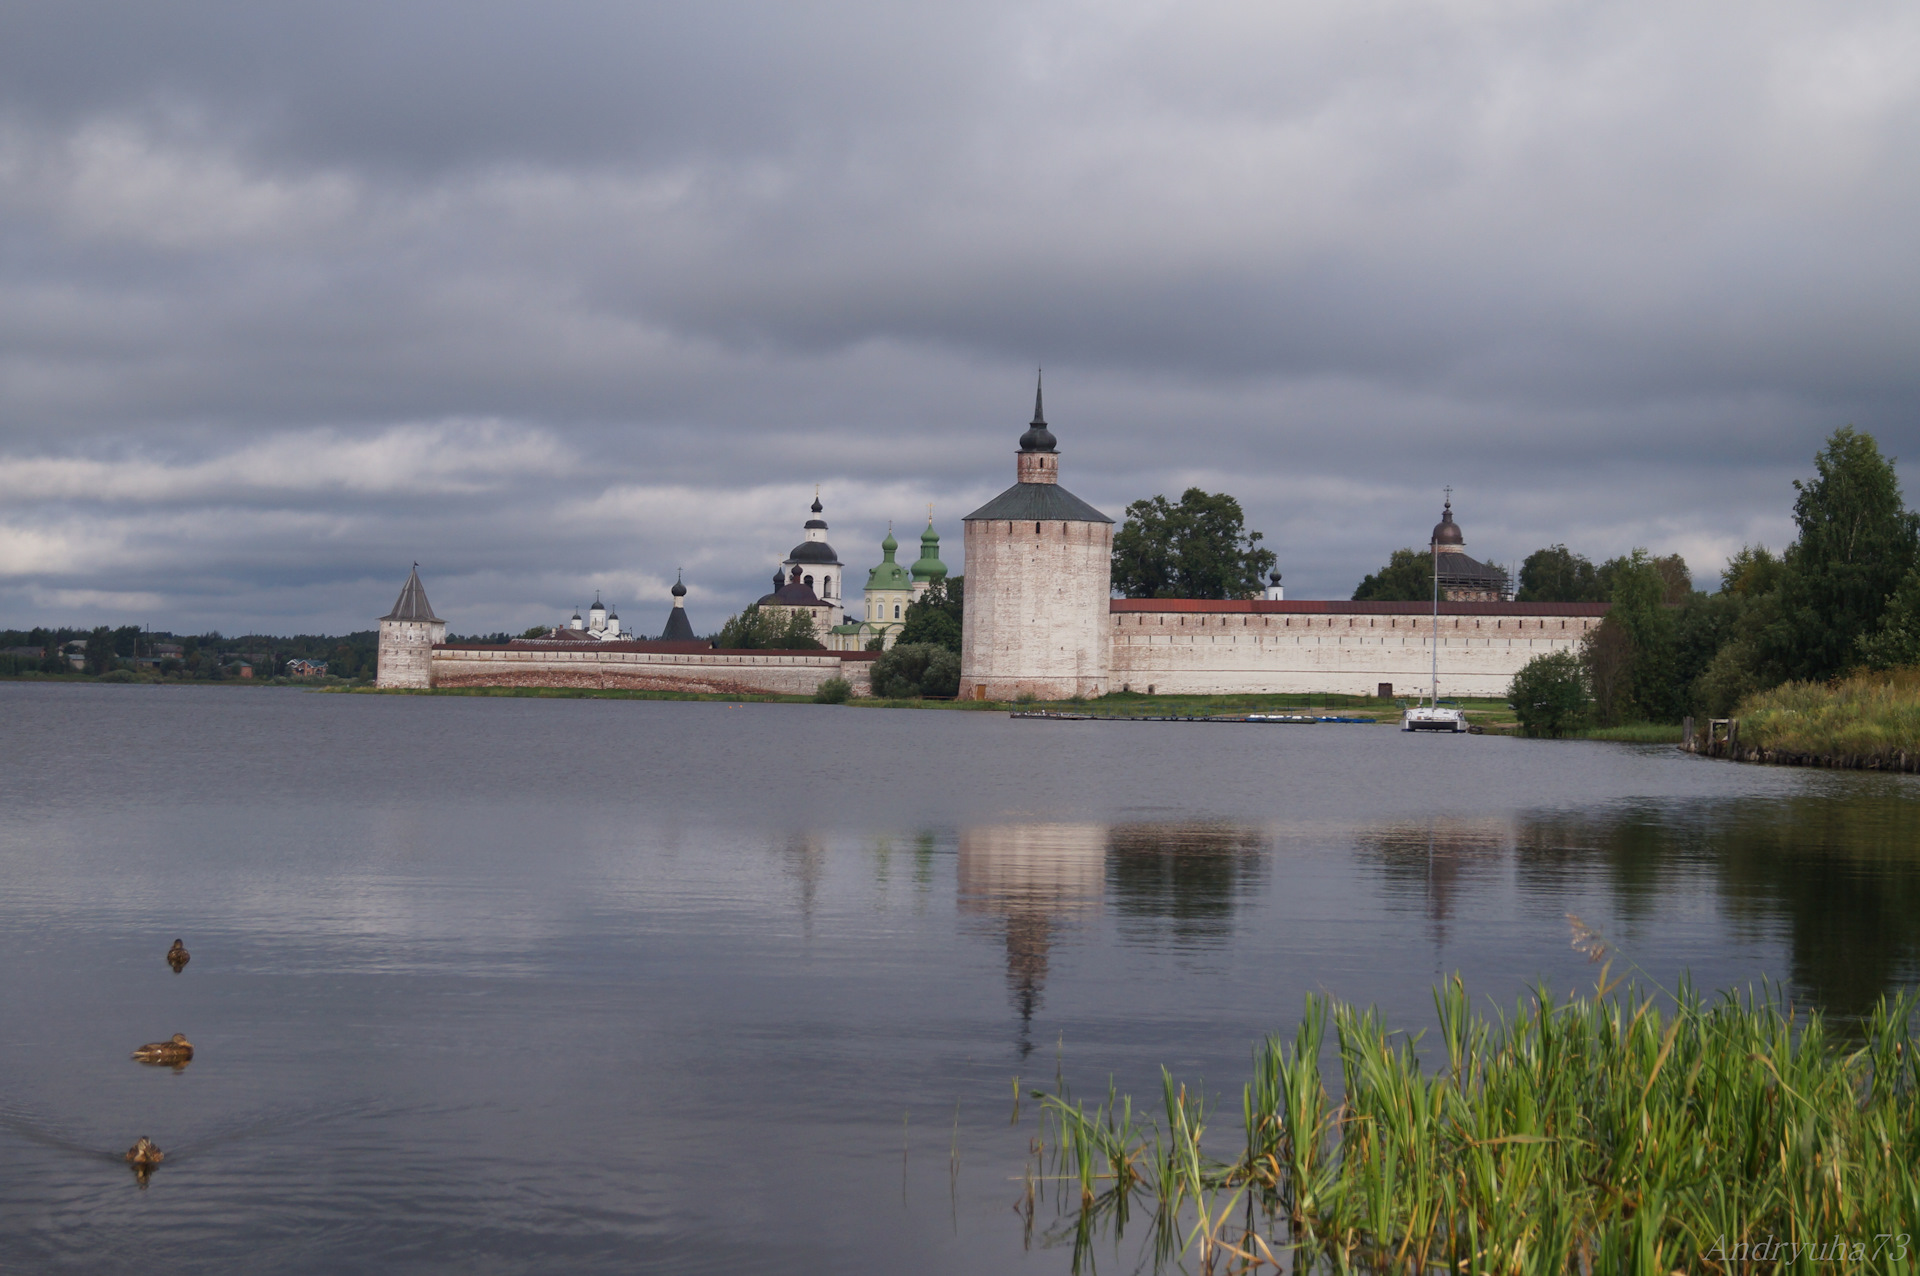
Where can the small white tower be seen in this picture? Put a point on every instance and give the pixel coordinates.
(407, 637)
(596, 615)
(1274, 592)
(1039, 576)
(820, 567)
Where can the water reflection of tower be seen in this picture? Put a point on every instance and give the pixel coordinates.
(804, 859)
(1036, 880)
(1436, 862)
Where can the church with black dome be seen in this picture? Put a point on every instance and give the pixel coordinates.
(1463, 579)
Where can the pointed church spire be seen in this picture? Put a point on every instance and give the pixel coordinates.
(1038, 437)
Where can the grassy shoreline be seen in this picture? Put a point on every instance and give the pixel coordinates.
(1869, 721)
(1618, 1132)
(1490, 714)
(1118, 704)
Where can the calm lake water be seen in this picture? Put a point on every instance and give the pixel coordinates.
(520, 985)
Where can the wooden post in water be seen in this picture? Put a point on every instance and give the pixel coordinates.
(1733, 738)
(1686, 732)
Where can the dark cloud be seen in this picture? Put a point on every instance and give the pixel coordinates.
(561, 298)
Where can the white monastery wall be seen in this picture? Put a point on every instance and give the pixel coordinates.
(710, 672)
(406, 652)
(1239, 648)
(1036, 613)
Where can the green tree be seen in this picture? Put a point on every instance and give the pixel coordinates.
(776, 630)
(1857, 543)
(936, 616)
(1730, 677)
(1630, 656)
(1549, 694)
(100, 650)
(1676, 582)
(915, 670)
(1557, 575)
(833, 691)
(1407, 578)
(1752, 572)
(1896, 643)
(1199, 548)
(1703, 626)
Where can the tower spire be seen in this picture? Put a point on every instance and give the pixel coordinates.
(1038, 437)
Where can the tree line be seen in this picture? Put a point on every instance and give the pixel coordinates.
(1844, 596)
(129, 651)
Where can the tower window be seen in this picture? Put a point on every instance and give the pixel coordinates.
(896, 611)
(1036, 529)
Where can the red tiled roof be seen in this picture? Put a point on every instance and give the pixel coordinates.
(1324, 607)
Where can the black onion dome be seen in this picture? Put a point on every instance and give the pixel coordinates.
(679, 590)
(813, 552)
(817, 507)
(1446, 531)
(1038, 437)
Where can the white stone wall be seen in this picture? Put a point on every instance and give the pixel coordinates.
(1036, 613)
(406, 651)
(1223, 653)
(712, 672)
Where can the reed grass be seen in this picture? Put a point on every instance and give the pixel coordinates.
(1870, 715)
(1622, 1132)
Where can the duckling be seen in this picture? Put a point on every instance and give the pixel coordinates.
(143, 1156)
(175, 1052)
(177, 956)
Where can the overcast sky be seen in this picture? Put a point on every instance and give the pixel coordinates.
(557, 298)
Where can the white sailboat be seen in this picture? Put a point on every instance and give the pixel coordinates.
(1430, 716)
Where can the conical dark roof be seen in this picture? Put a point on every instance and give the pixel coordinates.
(679, 628)
(413, 604)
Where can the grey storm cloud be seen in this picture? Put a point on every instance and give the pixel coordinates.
(561, 298)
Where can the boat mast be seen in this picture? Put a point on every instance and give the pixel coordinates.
(1433, 697)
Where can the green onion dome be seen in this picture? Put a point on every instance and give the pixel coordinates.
(889, 574)
(929, 568)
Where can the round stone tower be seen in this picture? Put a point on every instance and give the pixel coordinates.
(407, 637)
(1039, 575)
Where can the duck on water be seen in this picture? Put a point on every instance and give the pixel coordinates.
(175, 1052)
